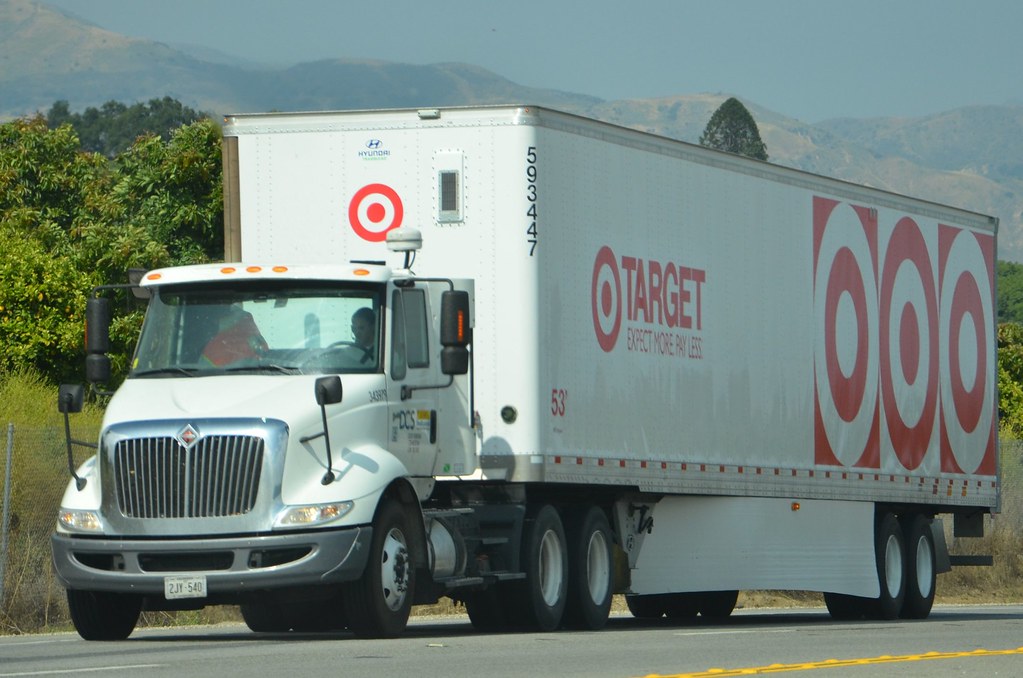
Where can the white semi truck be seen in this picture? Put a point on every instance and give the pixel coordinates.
(527, 360)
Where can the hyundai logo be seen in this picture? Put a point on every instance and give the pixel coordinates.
(374, 143)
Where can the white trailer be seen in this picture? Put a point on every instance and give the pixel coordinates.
(601, 361)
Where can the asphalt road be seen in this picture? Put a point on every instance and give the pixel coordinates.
(954, 641)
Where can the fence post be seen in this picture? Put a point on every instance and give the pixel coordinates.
(6, 523)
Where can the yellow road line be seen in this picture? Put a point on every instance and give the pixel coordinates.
(834, 663)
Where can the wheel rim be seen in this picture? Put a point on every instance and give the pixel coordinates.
(893, 566)
(924, 567)
(551, 568)
(598, 567)
(394, 570)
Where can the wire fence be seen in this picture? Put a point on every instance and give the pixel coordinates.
(35, 473)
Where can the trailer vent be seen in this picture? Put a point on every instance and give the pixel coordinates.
(450, 205)
(159, 478)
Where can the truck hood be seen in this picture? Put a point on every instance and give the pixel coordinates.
(287, 398)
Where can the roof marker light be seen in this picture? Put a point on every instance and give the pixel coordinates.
(360, 271)
(280, 269)
(228, 269)
(153, 276)
(253, 269)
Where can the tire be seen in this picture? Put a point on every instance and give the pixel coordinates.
(844, 607)
(103, 616)
(647, 606)
(591, 571)
(544, 592)
(717, 606)
(378, 603)
(890, 552)
(921, 571)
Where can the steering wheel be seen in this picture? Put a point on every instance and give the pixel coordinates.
(367, 353)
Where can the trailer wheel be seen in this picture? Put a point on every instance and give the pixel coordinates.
(647, 606)
(920, 571)
(844, 607)
(545, 561)
(717, 605)
(591, 571)
(103, 616)
(890, 551)
(378, 603)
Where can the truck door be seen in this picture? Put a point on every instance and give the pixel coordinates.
(414, 375)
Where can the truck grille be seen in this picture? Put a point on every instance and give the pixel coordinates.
(160, 478)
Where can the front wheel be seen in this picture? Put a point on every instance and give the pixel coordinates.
(378, 603)
(890, 551)
(103, 616)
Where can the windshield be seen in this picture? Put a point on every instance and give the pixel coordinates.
(260, 327)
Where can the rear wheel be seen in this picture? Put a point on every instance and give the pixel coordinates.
(920, 570)
(103, 616)
(591, 571)
(890, 551)
(378, 603)
(545, 562)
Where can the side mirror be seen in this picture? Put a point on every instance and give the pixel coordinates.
(328, 390)
(97, 325)
(70, 398)
(455, 332)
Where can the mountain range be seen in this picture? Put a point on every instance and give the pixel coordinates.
(969, 157)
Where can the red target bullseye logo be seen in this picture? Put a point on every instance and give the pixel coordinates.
(606, 299)
(846, 351)
(966, 319)
(904, 353)
(909, 343)
(374, 210)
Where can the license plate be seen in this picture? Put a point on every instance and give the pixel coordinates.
(184, 587)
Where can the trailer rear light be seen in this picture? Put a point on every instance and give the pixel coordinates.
(313, 514)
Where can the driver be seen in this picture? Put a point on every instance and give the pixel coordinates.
(364, 323)
(238, 339)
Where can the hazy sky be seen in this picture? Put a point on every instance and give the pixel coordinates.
(808, 59)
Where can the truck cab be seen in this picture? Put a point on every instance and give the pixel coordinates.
(278, 424)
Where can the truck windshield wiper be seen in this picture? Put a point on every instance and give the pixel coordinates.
(267, 367)
(166, 371)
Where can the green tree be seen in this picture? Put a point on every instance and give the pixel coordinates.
(114, 127)
(71, 219)
(1010, 378)
(732, 129)
(1009, 283)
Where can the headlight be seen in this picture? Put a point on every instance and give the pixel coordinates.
(80, 521)
(313, 514)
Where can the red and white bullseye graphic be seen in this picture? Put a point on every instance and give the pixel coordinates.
(846, 352)
(606, 298)
(966, 321)
(909, 343)
(374, 210)
(904, 355)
